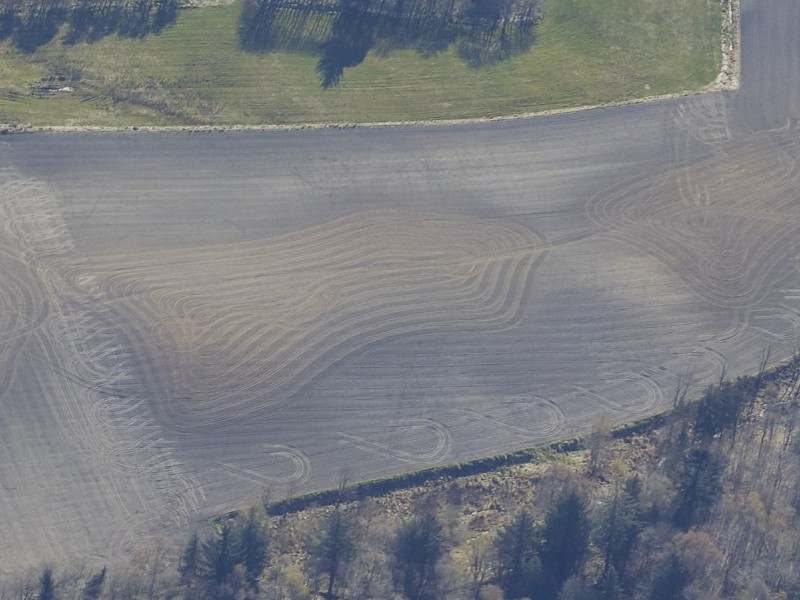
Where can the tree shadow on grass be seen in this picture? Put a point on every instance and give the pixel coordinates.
(31, 24)
(342, 32)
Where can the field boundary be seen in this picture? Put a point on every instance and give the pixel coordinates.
(386, 485)
(380, 487)
(728, 79)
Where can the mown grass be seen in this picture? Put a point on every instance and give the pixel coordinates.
(586, 52)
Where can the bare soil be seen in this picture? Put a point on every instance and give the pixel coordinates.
(188, 318)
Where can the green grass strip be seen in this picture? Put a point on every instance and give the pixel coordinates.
(193, 73)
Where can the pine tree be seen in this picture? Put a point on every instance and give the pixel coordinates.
(565, 541)
(418, 547)
(517, 563)
(618, 527)
(698, 486)
(251, 551)
(335, 548)
(217, 556)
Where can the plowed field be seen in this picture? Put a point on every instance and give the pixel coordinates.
(189, 318)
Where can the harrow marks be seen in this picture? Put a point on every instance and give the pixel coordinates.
(240, 330)
(187, 320)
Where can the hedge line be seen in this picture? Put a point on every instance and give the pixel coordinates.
(386, 485)
(380, 487)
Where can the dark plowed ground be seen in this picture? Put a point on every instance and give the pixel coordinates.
(188, 318)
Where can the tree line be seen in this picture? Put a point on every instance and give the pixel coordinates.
(704, 506)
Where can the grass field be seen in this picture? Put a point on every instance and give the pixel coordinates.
(586, 52)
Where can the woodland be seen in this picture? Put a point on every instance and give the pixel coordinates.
(699, 502)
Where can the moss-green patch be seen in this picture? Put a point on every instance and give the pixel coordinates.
(586, 52)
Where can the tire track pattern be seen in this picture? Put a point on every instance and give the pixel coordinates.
(91, 428)
(727, 224)
(300, 466)
(541, 418)
(413, 433)
(226, 332)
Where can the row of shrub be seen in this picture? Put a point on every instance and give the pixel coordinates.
(711, 416)
(386, 485)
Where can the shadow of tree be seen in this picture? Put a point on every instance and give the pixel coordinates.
(342, 32)
(34, 23)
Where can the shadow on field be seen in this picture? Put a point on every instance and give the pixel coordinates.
(342, 32)
(33, 23)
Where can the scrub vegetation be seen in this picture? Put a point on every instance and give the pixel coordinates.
(699, 503)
